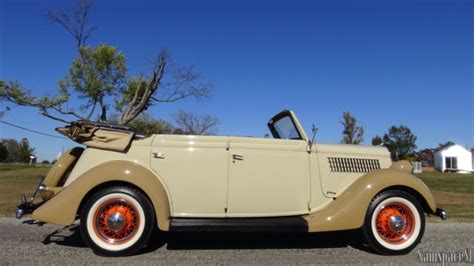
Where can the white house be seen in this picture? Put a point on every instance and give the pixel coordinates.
(453, 158)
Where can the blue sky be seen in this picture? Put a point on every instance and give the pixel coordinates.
(387, 62)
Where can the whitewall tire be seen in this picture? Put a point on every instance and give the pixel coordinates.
(394, 223)
(117, 221)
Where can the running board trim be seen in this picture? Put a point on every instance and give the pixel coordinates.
(273, 224)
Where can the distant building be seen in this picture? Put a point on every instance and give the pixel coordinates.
(472, 158)
(454, 158)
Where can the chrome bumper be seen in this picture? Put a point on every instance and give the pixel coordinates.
(26, 205)
(441, 213)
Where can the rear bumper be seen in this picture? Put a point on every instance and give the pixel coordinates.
(441, 213)
(26, 205)
(25, 208)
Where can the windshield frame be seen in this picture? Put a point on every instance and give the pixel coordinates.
(278, 117)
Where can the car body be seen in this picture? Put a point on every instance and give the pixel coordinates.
(122, 185)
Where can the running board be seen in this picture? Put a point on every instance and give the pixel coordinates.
(274, 224)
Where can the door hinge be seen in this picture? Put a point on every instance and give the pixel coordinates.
(309, 205)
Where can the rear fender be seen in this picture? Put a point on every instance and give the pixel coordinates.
(63, 207)
(348, 211)
(59, 172)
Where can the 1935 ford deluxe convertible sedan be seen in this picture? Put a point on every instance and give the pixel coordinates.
(123, 186)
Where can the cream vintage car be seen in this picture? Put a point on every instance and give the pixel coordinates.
(123, 186)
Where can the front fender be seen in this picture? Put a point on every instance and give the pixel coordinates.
(63, 207)
(349, 209)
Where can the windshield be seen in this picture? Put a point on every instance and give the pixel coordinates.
(282, 126)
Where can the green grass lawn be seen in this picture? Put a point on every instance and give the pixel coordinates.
(453, 192)
(450, 182)
(16, 179)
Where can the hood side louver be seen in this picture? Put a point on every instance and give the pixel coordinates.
(353, 165)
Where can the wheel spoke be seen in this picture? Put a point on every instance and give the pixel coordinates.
(116, 221)
(395, 223)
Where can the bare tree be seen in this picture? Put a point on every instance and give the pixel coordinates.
(74, 23)
(194, 124)
(166, 84)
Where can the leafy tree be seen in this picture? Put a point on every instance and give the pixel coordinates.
(444, 145)
(146, 125)
(352, 134)
(45, 162)
(400, 141)
(25, 151)
(95, 74)
(3, 152)
(426, 157)
(18, 151)
(12, 148)
(377, 140)
(194, 124)
(98, 77)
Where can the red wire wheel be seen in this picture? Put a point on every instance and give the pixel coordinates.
(395, 223)
(116, 221)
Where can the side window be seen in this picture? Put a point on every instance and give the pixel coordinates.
(451, 162)
(448, 162)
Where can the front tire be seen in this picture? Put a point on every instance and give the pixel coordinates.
(394, 223)
(117, 221)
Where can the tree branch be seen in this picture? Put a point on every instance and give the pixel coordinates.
(92, 110)
(44, 112)
(76, 26)
(59, 110)
(139, 103)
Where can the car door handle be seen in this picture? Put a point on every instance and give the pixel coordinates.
(237, 157)
(158, 155)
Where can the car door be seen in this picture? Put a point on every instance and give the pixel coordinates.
(267, 177)
(194, 170)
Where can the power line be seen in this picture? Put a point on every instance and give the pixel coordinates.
(31, 130)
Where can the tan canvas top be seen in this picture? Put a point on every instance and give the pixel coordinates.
(95, 135)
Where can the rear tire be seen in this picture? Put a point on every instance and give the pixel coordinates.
(394, 223)
(117, 221)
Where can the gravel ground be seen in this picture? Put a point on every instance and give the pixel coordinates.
(30, 244)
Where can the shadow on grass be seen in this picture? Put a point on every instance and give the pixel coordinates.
(222, 240)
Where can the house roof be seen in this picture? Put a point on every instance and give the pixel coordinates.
(451, 146)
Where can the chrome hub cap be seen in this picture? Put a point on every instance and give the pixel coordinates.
(397, 224)
(116, 221)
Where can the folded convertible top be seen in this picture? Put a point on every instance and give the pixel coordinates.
(99, 135)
